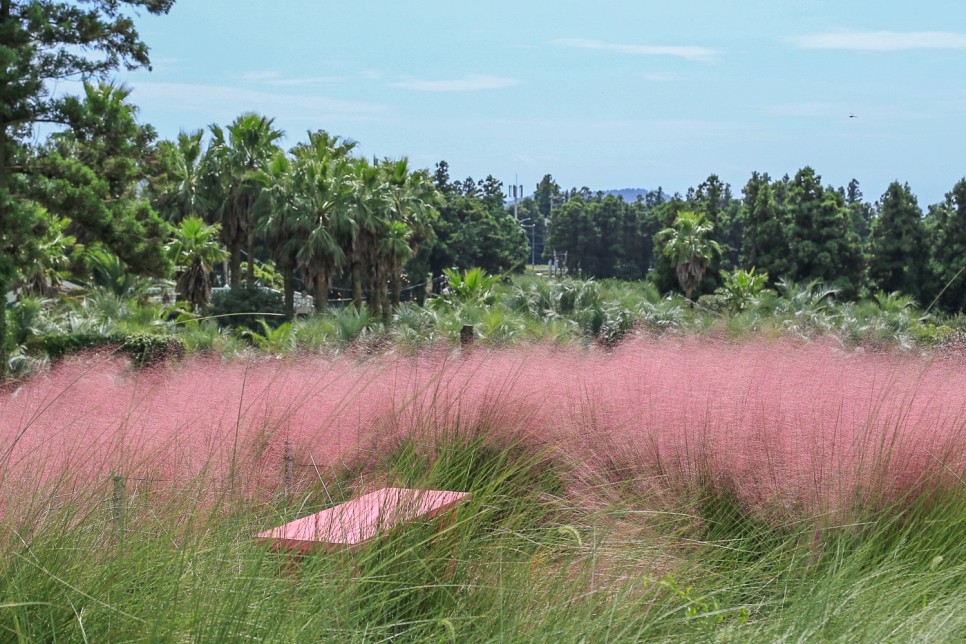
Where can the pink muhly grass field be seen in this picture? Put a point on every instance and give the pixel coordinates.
(785, 426)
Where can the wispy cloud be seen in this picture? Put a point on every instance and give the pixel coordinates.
(275, 79)
(223, 102)
(469, 83)
(703, 54)
(881, 40)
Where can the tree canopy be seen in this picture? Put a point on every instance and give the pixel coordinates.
(42, 41)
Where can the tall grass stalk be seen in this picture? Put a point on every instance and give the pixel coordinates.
(684, 491)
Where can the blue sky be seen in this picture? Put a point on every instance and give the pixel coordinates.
(607, 94)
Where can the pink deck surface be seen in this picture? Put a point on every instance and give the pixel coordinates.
(355, 522)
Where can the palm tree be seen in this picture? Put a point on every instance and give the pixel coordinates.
(396, 247)
(276, 216)
(194, 249)
(370, 201)
(687, 244)
(324, 187)
(108, 271)
(411, 200)
(50, 257)
(233, 164)
(183, 194)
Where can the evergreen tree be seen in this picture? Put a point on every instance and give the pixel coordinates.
(947, 227)
(92, 174)
(898, 251)
(547, 195)
(764, 244)
(564, 234)
(41, 43)
(861, 212)
(822, 244)
(473, 228)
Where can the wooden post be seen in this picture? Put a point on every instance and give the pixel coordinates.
(466, 336)
(118, 500)
(288, 472)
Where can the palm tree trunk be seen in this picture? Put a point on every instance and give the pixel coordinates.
(384, 301)
(395, 283)
(372, 290)
(251, 258)
(321, 293)
(356, 281)
(234, 268)
(288, 278)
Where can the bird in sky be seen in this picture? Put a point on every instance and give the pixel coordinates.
(853, 116)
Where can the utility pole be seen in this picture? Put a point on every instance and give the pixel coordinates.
(533, 227)
(516, 193)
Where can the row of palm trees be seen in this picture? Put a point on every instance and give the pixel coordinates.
(320, 210)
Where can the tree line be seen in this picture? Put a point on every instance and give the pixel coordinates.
(103, 191)
(793, 228)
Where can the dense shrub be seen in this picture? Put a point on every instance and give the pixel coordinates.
(244, 305)
(59, 345)
(143, 349)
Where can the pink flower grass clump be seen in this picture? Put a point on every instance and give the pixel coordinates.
(797, 427)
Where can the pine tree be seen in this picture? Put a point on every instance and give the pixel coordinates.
(765, 242)
(947, 225)
(40, 43)
(822, 244)
(898, 250)
(860, 211)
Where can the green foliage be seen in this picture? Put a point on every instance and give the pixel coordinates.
(247, 306)
(547, 299)
(194, 250)
(206, 337)
(608, 324)
(822, 244)
(809, 307)
(143, 349)
(280, 339)
(91, 174)
(40, 44)
(473, 286)
(765, 241)
(266, 275)
(947, 229)
(233, 165)
(474, 229)
(27, 320)
(603, 237)
(147, 350)
(898, 244)
(689, 246)
(353, 323)
(50, 257)
(932, 334)
(741, 289)
(106, 270)
(177, 180)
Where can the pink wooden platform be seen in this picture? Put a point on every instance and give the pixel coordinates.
(355, 522)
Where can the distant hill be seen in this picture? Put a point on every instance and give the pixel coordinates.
(629, 195)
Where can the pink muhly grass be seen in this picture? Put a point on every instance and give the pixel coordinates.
(786, 427)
